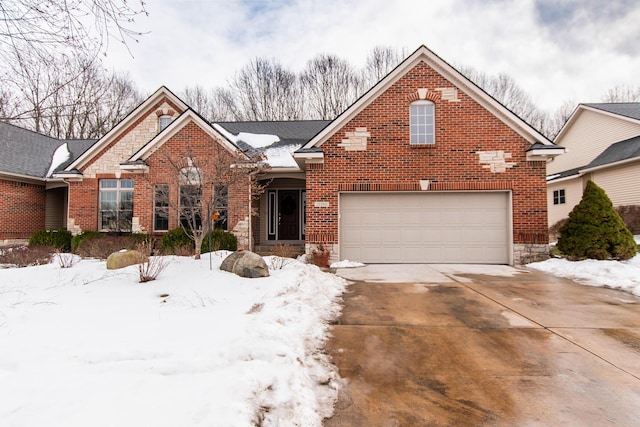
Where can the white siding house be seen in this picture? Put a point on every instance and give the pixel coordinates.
(602, 143)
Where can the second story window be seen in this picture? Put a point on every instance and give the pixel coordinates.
(164, 121)
(422, 123)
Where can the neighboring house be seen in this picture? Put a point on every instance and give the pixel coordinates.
(424, 168)
(602, 143)
(30, 198)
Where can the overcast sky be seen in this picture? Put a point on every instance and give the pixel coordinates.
(556, 50)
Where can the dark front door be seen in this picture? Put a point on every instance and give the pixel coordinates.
(288, 215)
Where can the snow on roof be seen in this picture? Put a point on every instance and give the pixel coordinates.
(61, 155)
(231, 137)
(256, 140)
(278, 156)
(281, 157)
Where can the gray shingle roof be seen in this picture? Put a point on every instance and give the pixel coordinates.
(290, 132)
(24, 152)
(623, 150)
(626, 109)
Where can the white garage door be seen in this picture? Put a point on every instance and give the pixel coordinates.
(457, 227)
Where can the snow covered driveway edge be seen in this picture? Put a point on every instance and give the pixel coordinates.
(623, 275)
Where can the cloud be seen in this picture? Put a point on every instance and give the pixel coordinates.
(554, 50)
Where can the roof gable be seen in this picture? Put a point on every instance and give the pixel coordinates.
(625, 111)
(174, 128)
(138, 112)
(423, 54)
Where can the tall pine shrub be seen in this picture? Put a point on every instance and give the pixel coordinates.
(595, 230)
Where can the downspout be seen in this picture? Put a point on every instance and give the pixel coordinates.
(66, 213)
(250, 231)
(253, 173)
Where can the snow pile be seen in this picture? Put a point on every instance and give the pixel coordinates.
(61, 155)
(624, 275)
(87, 346)
(347, 264)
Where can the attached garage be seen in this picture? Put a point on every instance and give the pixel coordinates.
(419, 227)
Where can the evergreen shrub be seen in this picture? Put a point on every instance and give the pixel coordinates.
(175, 240)
(220, 240)
(595, 230)
(59, 239)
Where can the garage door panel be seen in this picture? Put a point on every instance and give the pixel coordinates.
(417, 227)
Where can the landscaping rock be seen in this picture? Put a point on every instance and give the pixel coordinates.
(123, 259)
(245, 264)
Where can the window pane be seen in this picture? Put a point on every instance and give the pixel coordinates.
(161, 198)
(161, 220)
(108, 183)
(422, 127)
(126, 200)
(108, 220)
(126, 183)
(108, 200)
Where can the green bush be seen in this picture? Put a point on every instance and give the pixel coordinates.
(59, 239)
(176, 241)
(595, 230)
(220, 240)
(79, 239)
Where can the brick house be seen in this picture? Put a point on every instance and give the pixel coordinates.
(425, 167)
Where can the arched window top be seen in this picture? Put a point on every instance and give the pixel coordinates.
(190, 175)
(422, 122)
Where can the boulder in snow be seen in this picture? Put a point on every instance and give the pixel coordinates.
(123, 259)
(245, 264)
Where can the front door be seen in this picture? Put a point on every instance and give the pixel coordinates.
(288, 215)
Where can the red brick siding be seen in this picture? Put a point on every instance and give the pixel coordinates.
(22, 209)
(390, 163)
(207, 154)
(83, 203)
(191, 141)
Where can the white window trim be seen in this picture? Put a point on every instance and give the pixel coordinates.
(164, 121)
(559, 199)
(430, 137)
(118, 189)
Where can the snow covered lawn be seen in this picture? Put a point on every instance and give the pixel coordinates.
(624, 275)
(86, 346)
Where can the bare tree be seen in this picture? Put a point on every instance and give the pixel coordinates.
(42, 27)
(264, 90)
(330, 85)
(206, 182)
(622, 93)
(8, 104)
(69, 97)
(505, 89)
(214, 105)
(380, 61)
(556, 120)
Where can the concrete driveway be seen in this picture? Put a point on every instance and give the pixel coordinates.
(484, 345)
